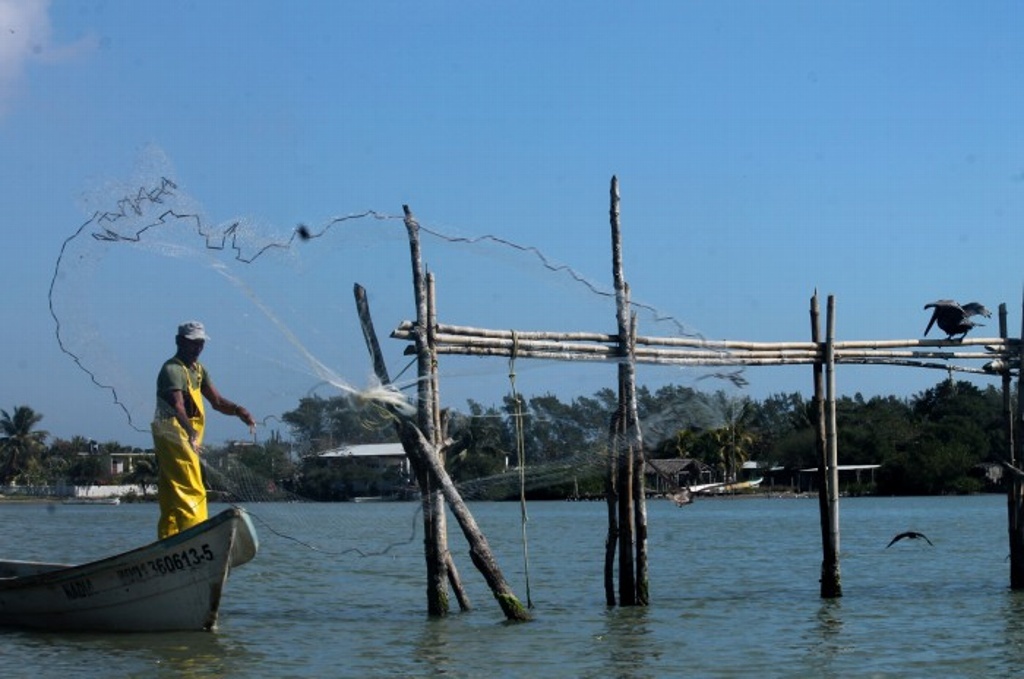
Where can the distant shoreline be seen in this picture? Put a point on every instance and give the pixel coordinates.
(58, 499)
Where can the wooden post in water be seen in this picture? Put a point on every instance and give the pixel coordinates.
(380, 369)
(613, 490)
(439, 430)
(479, 549)
(611, 495)
(440, 434)
(619, 449)
(831, 428)
(422, 457)
(626, 445)
(830, 580)
(639, 480)
(1008, 436)
(434, 539)
(1015, 497)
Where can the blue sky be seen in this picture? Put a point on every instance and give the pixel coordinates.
(869, 150)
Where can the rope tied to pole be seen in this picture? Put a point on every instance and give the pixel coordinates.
(521, 460)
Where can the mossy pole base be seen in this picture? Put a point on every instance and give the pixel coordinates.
(831, 580)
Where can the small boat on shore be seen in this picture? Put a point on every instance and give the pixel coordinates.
(171, 584)
(91, 501)
(722, 488)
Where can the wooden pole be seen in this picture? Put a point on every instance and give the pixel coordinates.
(831, 432)
(611, 499)
(438, 435)
(613, 488)
(434, 541)
(626, 440)
(639, 481)
(1008, 437)
(1015, 500)
(421, 456)
(830, 583)
(620, 435)
(479, 549)
(380, 369)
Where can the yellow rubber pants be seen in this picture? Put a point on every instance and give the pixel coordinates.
(180, 488)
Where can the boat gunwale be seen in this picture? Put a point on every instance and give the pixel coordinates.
(60, 572)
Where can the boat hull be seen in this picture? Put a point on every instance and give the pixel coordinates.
(171, 584)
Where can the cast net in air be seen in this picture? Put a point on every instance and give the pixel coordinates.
(287, 343)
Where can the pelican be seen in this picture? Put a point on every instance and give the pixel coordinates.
(954, 319)
(911, 534)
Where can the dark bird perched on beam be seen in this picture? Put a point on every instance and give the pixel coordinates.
(954, 319)
(910, 534)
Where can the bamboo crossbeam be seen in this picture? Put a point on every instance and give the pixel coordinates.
(946, 367)
(724, 345)
(663, 360)
(510, 345)
(408, 327)
(469, 335)
(576, 347)
(958, 355)
(406, 330)
(492, 347)
(687, 359)
(696, 352)
(681, 359)
(888, 344)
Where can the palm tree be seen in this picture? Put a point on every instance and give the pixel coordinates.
(733, 440)
(682, 444)
(143, 474)
(20, 442)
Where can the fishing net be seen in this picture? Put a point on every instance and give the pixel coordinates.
(278, 303)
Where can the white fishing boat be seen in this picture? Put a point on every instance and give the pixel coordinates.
(171, 584)
(719, 488)
(91, 501)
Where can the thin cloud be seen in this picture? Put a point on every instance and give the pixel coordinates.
(26, 36)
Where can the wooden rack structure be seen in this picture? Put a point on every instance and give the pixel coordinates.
(1000, 357)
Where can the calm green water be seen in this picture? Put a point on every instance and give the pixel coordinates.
(734, 593)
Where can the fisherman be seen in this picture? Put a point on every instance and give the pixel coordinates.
(178, 430)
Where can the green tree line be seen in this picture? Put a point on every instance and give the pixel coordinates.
(937, 441)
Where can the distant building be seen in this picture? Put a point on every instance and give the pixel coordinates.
(372, 470)
(124, 463)
(847, 473)
(669, 475)
(120, 462)
(380, 456)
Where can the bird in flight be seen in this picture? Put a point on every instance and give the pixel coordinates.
(954, 319)
(910, 534)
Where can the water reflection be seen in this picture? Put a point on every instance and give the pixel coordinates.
(631, 653)
(432, 649)
(826, 641)
(1013, 620)
(198, 654)
(193, 655)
